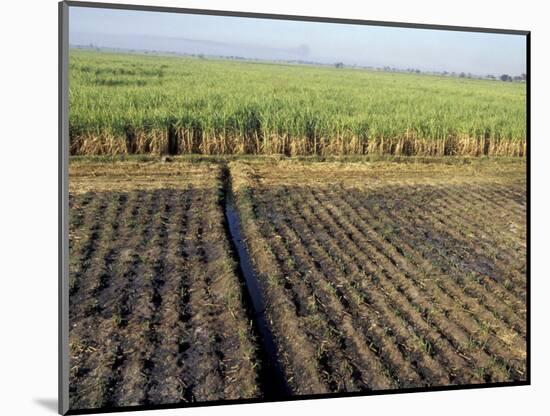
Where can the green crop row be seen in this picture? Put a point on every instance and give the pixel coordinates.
(123, 103)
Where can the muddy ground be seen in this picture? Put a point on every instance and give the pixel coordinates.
(156, 310)
(382, 276)
(369, 276)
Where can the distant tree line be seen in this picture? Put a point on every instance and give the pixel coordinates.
(467, 75)
(517, 78)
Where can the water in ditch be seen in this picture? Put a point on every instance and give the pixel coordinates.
(272, 379)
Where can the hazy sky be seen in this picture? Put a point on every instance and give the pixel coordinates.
(478, 53)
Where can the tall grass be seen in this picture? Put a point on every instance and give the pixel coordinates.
(122, 103)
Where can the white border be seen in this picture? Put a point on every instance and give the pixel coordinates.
(29, 209)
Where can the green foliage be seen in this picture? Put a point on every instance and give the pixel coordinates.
(114, 94)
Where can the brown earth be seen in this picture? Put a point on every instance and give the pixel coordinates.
(156, 314)
(386, 275)
(375, 276)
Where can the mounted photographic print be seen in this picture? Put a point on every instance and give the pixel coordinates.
(260, 208)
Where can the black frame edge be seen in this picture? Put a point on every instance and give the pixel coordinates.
(295, 398)
(63, 207)
(528, 198)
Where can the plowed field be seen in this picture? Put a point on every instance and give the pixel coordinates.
(390, 276)
(368, 276)
(156, 313)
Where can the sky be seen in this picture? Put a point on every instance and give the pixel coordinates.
(424, 49)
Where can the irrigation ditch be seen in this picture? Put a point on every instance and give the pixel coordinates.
(270, 375)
